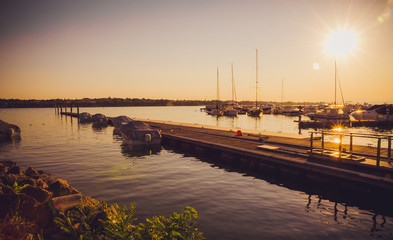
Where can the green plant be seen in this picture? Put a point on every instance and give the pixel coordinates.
(15, 188)
(112, 222)
(177, 226)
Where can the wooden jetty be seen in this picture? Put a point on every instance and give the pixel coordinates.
(344, 167)
(288, 155)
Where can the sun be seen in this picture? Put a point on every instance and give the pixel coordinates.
(341, 42)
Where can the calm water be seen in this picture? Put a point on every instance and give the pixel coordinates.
(231, 205)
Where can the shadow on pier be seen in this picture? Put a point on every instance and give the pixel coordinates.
(326, 189)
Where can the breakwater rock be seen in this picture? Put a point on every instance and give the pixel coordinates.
(33, 197)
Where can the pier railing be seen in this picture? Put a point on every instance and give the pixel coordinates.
(319, 145)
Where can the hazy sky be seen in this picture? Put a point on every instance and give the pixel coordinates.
(172, 48)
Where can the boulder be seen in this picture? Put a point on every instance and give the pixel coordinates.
(15, 170)
(61, 188)
(32, 173)
(39, 194)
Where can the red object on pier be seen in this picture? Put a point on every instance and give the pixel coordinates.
(239, 133)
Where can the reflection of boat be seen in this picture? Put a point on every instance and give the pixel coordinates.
(9, 131)
(118, 122)
(382, 113)
(255, 111)
(99, 120)
(138, 133)
(84, 117)
(130, 151)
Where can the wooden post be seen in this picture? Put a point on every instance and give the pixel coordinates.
(61, 109)
(323, 141)
(65, 109)
(379, 152)
(350, 144)
(340, 146)
(389, 149)
(71, 110)
(77, 110)
(311, 141)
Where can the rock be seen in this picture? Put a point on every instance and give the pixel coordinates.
(32, 173)
(27, 207)
(39, 194)
(15, 170)
(61, 188)
(8, 204)
(42, 184)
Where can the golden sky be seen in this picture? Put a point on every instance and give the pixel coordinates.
(171, 49)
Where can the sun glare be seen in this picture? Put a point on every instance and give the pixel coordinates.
(341, 43)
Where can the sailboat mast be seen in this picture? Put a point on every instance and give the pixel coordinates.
(218, 92)
(256, 82)
(233, 86)
(335, 83)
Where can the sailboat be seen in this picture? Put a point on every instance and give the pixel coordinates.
(230, 109)
(255, 111)
(332, 113)
(217, 111)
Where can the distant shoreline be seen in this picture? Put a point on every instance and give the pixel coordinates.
(124, 102)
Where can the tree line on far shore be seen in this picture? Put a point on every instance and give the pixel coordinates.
(115, 102)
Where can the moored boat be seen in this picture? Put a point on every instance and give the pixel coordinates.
(139, 134)
(119, 122)
(9, 131)
(99, 120)
(380, 113)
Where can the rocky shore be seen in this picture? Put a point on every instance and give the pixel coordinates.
(29, 200)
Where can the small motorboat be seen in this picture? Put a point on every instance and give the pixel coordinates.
(119, 122)
(84, 117)
(9, 131)
(99, 120)
(139, 134)
(255, 112)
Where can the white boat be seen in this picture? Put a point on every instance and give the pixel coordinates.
(330, 113)
(255, 111)
(381, 113)
(139, 134)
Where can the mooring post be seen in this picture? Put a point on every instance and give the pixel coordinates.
(389, 149)
(323, 141)
(77, 109)
(379, 152)
(311, 141)
(65, 109)
(340, 146)
(71, 110)
(350, 144)
(61, 109)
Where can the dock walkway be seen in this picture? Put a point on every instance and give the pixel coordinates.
(286, 153)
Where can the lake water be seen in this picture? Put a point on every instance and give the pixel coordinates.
(230, 204)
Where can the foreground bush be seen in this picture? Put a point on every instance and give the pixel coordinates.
(107, 222)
